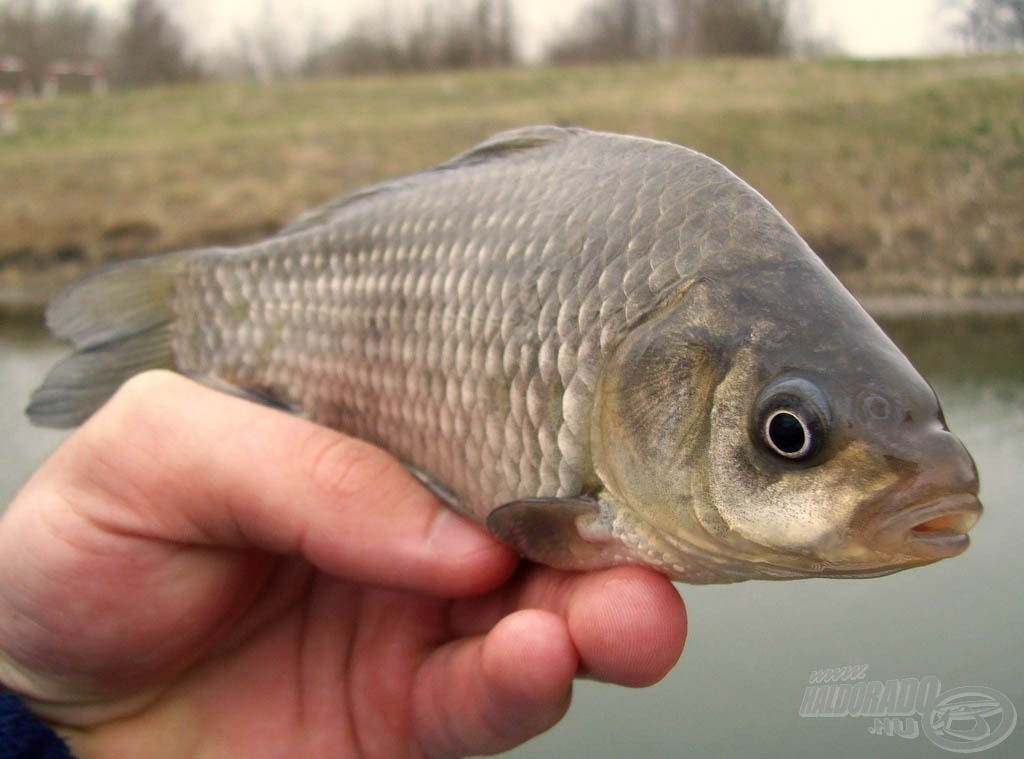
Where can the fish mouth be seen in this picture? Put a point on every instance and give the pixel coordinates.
(936, 529)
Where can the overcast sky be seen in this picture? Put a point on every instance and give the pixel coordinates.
(869, 28)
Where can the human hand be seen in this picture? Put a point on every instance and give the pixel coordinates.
(194, 575)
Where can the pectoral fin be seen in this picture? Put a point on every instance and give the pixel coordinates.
(567, 533)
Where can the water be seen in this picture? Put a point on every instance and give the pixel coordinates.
(752, 647)
(25, 353)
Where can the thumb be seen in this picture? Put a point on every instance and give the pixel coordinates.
(171, 460)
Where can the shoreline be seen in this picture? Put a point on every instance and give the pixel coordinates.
(915, 305)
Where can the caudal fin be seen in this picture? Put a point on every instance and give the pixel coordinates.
(120, 322)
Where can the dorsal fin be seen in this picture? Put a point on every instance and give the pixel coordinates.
(323, 213)
(510, 142)
(499, 146)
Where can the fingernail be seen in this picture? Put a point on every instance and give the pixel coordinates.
(452, 535)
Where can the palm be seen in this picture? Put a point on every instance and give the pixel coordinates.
(202, 576)
(344, 670)
(316, 666)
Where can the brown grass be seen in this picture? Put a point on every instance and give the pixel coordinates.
(906, 176)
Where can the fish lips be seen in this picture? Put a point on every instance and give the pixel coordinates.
(927, 531)
(927, 518)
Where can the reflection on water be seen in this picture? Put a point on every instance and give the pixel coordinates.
(753, 646)
(978, 350)
(25, 353)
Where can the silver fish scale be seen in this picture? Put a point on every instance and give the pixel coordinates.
(459, 317)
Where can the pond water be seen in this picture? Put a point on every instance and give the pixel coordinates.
(752, 647)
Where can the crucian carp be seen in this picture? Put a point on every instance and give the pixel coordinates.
(607, 349)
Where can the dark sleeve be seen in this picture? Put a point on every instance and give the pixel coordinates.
(22, 736)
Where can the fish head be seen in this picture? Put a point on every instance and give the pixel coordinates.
(844, 467)
(779, 448)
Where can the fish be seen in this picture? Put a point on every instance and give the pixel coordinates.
(606, 349)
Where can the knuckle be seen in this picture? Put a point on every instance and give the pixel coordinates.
(343, 467)
(139, 390)
(137, 406)
(141, 402)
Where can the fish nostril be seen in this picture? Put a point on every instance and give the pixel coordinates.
(951, 467)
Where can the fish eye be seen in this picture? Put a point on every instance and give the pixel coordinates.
(792, 419)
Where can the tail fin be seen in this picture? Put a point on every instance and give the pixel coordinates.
(120, 322)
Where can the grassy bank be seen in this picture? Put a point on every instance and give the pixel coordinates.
(906, 176)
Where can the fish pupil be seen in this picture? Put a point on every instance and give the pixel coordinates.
(787, 434)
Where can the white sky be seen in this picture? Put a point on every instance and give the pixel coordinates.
(868, 28)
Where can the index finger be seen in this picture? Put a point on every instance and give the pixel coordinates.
(628, 623)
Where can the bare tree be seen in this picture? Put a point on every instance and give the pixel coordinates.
(493, 34)
(612, 30)
(460, 34)
(150, 48)
(262, 51)
(446, 34)
(744, 27)
(616, 29)
(685, 31)
(990, 24)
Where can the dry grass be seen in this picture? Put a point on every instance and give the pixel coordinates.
(906, 176)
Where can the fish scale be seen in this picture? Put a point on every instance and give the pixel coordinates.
(372, 348)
